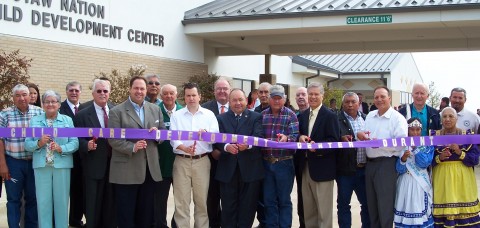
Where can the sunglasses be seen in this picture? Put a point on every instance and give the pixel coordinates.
(156, 83)
(100, 91)
(74, 90)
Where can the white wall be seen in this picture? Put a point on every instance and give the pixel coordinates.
(404, 74)
(153, 16)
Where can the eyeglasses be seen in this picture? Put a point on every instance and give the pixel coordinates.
(100, 91)
(151, 83)
(74, 90)
(50, 102)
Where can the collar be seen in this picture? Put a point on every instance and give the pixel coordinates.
(220, 105)
(135, 105)
(97, 107)
(71, 105)
(387, 114)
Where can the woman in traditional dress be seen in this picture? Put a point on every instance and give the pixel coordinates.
(52, 161)
(413, 202)
(455, 197)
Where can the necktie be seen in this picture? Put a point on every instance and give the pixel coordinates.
(105, 117)
(105, 123)
(311, 121)
(76, 109)
(222, 109)
(169, 113)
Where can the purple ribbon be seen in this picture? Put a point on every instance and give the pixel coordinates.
(131, 133)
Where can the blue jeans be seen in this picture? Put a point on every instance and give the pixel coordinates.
(345, 187)
(24, 185)
(277, 187)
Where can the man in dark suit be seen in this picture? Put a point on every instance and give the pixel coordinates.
(218, 106)
(95, 155)
(240, 168)
(318, 124)
(363, 105)
(134, 167)
(90, 102)
(70, 107)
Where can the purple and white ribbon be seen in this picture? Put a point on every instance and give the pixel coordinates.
(131, 133)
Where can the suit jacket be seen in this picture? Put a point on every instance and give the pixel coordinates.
(127, 167)
(248, 161)
(365, 108)
(90, 102)
(94, 162)
(347, 157)
(65, 109)
(212, 106)
(322, 162)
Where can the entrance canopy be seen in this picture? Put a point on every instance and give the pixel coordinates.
(302, 27)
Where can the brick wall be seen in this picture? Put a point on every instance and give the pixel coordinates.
(56, 64)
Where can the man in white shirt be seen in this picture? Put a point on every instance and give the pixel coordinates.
(466, 118)
(191, 169)
(380, 173)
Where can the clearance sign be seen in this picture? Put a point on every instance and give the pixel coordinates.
(371, 19)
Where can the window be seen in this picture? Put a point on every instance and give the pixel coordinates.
(245, 85)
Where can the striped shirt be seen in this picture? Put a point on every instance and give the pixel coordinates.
(358, 125)
(13, 117)
(285, 123)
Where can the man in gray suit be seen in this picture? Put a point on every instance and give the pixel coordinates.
(134, 167)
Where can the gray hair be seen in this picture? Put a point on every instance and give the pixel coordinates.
(350, 94)
(151, 76)
(174, 88)
(268, 85)
(237, 89)
(74, 83)
(219, 80)
(51, 93)
(20, 87)
(316, 85)
(100, 81)
(460, 90)
(448, 108)
(425, 86)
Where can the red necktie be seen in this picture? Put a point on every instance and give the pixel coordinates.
(222, 109)
(76, 109)
(105, 117)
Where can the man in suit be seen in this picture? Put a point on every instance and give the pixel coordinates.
(134, 167)
(168, 106)
(218, 106)
(318, 124)
(240, 168)
(363, 107)
(301, 97)
(70, 107)
(95, 154)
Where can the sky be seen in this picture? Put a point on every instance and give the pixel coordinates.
(452, 69)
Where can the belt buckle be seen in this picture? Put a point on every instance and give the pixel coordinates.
(272, 160)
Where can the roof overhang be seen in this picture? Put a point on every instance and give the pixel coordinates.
(445, 28)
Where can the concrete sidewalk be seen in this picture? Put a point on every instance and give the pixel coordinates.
(355, 208)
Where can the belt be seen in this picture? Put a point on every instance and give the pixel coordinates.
(193, 157)
(361, 165)
(276, 159)
(379, 159)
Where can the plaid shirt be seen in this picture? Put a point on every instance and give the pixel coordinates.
(13, 117)
(358, 125)
(285, 123)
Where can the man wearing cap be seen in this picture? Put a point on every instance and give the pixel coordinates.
(279, 124)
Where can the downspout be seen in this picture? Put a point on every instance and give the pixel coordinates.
(336, 79)
(384, 80)
(313, 76)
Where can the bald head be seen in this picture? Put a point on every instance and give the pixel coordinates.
(301, 97)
